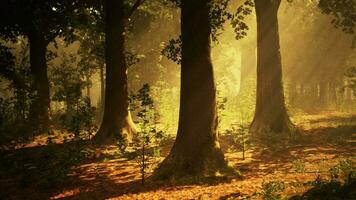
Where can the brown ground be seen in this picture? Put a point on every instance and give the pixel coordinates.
(329, 138)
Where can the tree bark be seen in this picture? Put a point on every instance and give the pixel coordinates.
(40, 108)
(116, 124)
(271, 116)
(196, 151)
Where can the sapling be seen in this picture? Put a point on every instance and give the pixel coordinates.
(242, 131)
(148, 137)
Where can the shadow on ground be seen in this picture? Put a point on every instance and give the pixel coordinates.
(102, 175)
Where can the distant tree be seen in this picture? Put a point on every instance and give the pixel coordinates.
(196, 151)
(270, 114)
(7, 71)
(91, 50)
(344, 12)
(344, 17)
(41, 22)
(239, 22)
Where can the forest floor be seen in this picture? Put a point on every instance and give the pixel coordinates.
(330, 138)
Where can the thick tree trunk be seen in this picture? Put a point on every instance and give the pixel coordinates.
(270, 115)
(116, 123)
(196, 151)
(40, 108)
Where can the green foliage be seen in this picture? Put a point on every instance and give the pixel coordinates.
(82, 123)
(221, 107)
(49, 167)
(239, 18)
(340, 186)
(14, 109)
(271, 190)
(343, 12)
(6, 59)
(6, 119)
(173, 50)
(344, 170)
(146, 144)
(68, 83)
(298, 166)
(13, 120)
(240, 135)
(49, 19)
(218, 16)
(243, 112)
(67, 80)
(131, 58)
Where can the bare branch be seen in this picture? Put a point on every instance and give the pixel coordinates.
(134, 7)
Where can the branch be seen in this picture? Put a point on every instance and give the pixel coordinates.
(134, 7)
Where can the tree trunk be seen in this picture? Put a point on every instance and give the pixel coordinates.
(270, 115)
(196, 151)
(332, 93)
(88, 88)
(40, 108)
(322, 94)
(293, 93)
(347, 92)
(116, 123)
(102, 88)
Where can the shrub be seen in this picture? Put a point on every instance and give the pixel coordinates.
(271, 190)
(148, 138)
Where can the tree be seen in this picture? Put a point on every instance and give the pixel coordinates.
(344, 14)
(41, 22)
(92, 42)
(7, 70)
(117, 123)
(344, 17)
(197, 115)
(271, 113)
